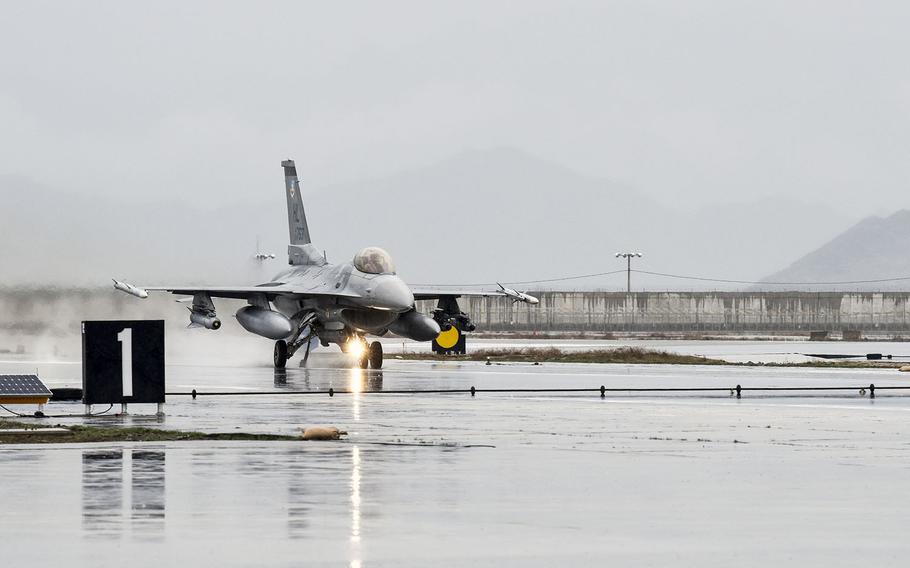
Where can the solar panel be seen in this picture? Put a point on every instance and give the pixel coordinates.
(22, 386)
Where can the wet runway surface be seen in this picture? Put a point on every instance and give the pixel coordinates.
(497, 479)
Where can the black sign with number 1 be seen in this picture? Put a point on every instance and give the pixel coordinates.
(122, 361)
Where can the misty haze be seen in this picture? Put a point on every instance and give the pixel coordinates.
(465, 283)
(157, 160)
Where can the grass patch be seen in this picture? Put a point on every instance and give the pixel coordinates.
(624, 355)
(89, 434)
(831, 364)
(628, 355)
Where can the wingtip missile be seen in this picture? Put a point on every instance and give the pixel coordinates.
(529, 299)
(517, 296)
(130, 289)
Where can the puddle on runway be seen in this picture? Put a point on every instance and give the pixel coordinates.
(362, 505)
(221, 498)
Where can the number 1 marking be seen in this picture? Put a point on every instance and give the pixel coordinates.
(125, 338)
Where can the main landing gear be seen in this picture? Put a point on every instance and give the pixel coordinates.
(370, 357)
(281, 354)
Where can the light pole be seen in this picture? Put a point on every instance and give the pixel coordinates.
(628, 256)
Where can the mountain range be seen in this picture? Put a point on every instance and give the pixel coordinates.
(480, 216)
(876, 248)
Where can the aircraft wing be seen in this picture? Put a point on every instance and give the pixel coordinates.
(237, 292)
(435, 293)
(431, 293)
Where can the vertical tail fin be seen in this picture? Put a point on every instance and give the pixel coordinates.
(300, 250)
(299, 231)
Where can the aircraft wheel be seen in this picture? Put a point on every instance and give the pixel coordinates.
(365, 359)
(281, 354)
(375, 355)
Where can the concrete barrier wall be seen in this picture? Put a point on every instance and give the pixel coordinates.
(42, 311)
(695, 311)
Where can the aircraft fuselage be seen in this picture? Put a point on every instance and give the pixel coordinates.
(343, 295)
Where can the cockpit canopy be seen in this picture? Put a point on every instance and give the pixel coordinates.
(374, 260)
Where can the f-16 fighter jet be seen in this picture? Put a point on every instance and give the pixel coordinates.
(314, 302)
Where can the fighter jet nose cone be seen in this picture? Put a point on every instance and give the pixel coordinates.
(392, 294)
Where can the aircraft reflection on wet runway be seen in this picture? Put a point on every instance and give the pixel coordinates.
(357, 380)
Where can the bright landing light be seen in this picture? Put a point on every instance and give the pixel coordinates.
(355, 348)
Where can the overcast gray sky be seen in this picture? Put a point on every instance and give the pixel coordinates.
(688, 101)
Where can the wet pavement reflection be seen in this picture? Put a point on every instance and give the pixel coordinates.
(498, 479)
(120, 487)
(102, 492)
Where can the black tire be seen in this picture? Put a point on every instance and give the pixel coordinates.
(375, 355)
(281, 354)
(364, 360)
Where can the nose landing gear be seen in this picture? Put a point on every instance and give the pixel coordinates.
(375, 355)
(371, 356)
